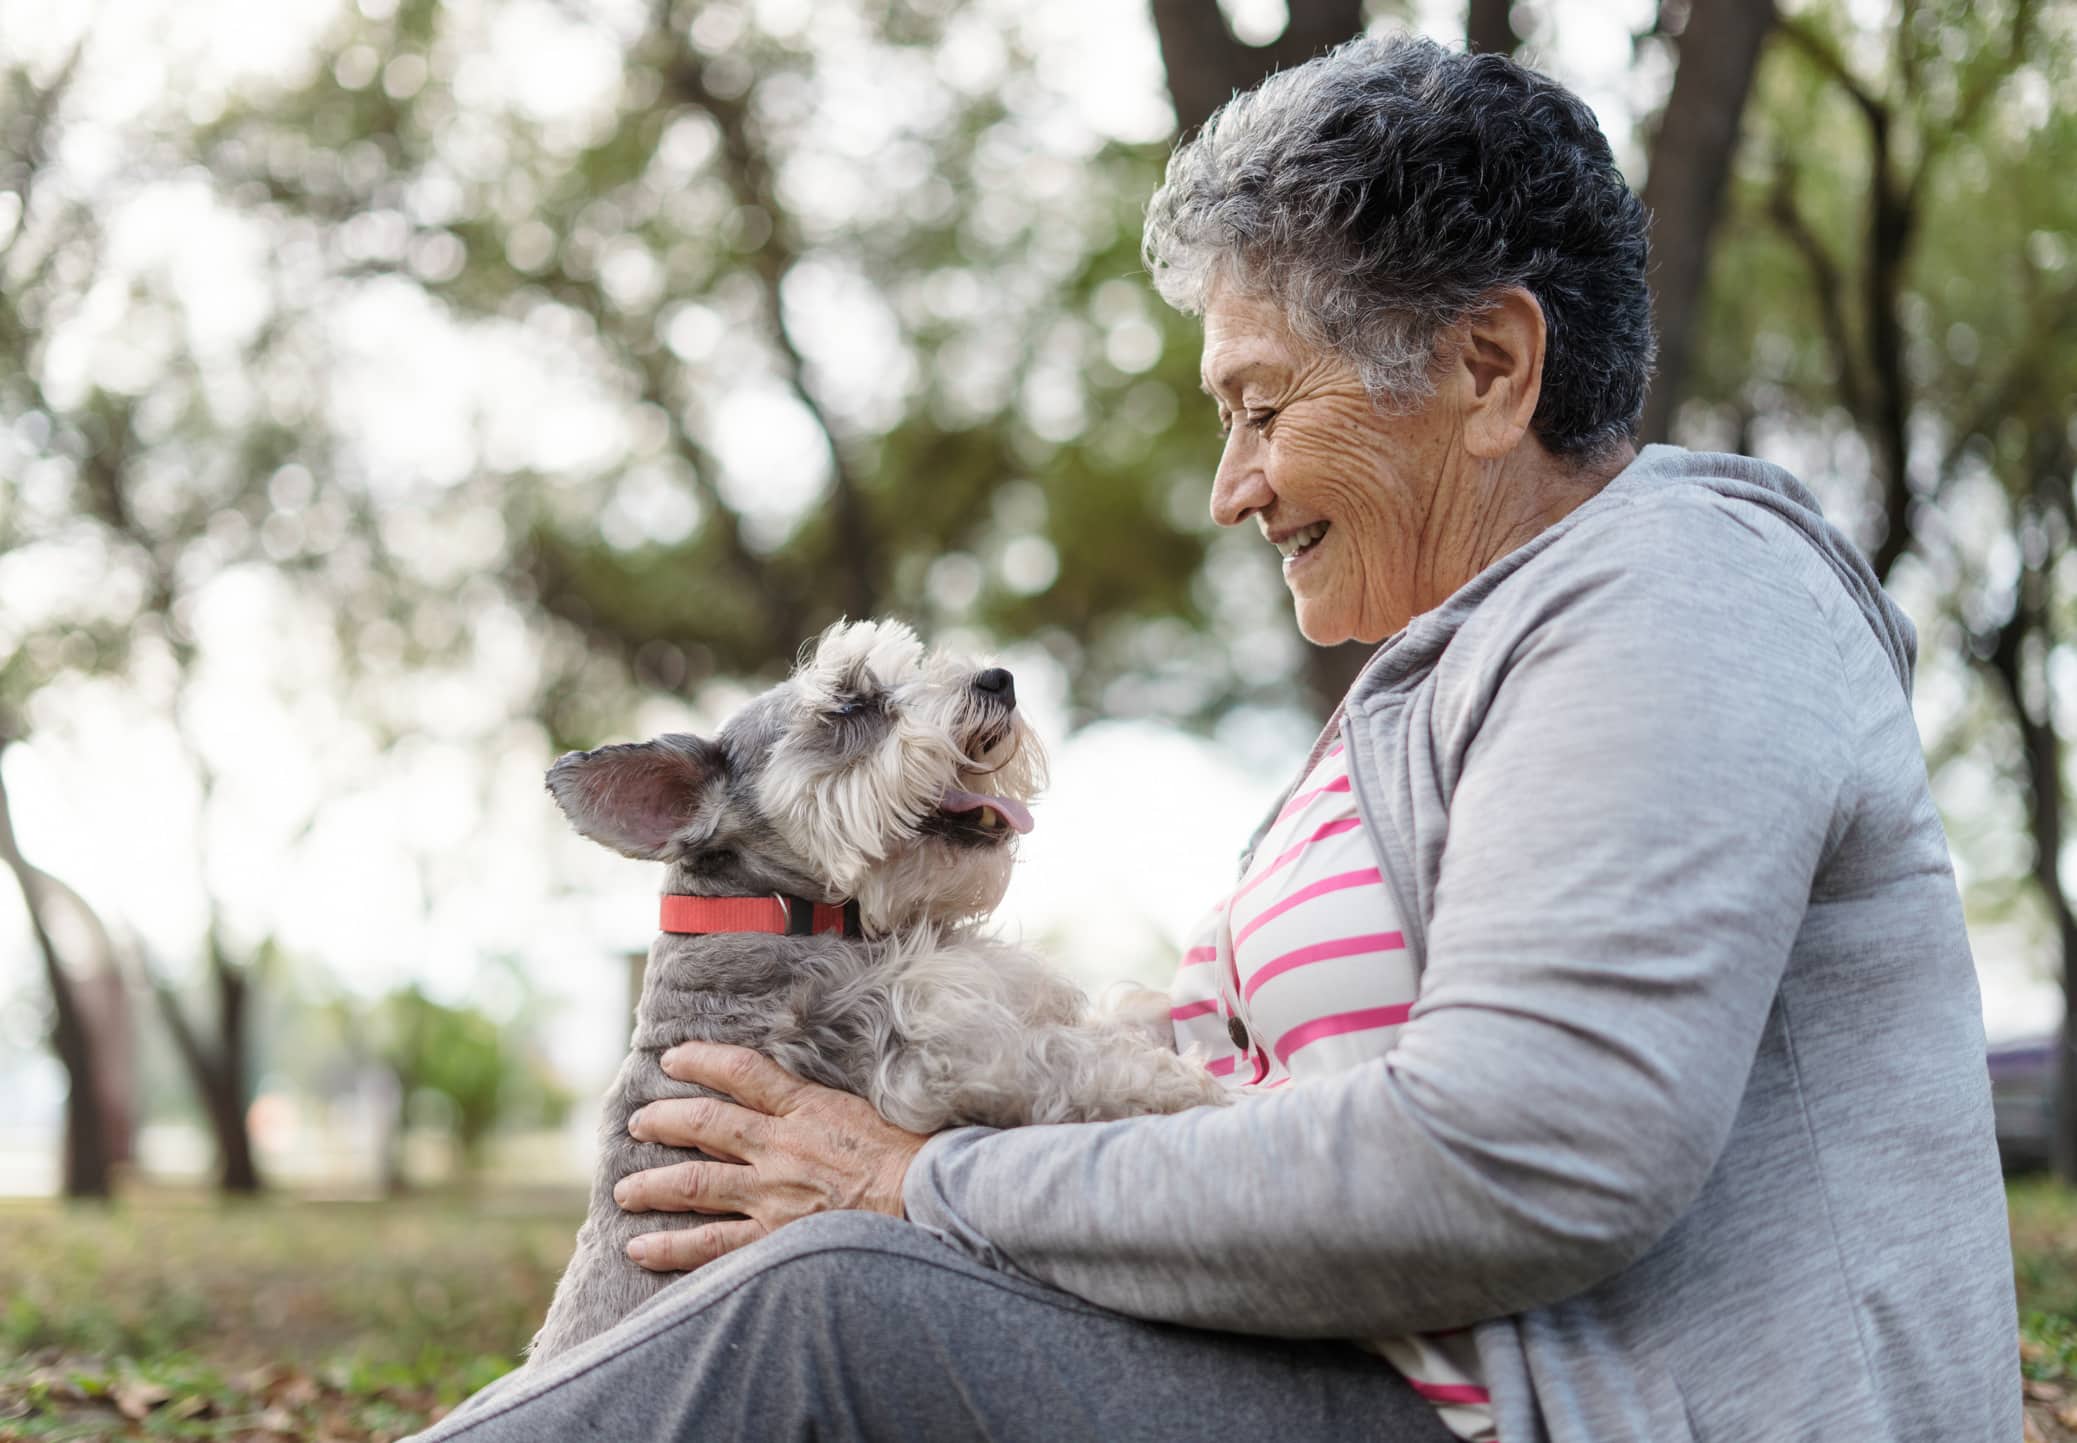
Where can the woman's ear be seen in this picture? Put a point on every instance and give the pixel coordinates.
(1499, 367)
(636, 798)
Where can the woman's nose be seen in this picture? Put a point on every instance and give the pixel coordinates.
(1241, 486)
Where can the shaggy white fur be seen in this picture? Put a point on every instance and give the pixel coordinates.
(897, 777)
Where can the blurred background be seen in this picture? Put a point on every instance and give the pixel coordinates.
(395, 394)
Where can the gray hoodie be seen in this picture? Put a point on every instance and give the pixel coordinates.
(1691, 1120)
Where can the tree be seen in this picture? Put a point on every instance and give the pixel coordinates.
(1207, 63)
(1688, 172)
(1894, 304)
(28, 114)
(189, 469)
(87, 1170)
(952, 499)
(1489, 26)
(159, 477)
(454, 1061)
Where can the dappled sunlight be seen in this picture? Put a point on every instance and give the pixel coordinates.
(396, 395)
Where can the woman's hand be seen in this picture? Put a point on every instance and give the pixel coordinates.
(792, 1148)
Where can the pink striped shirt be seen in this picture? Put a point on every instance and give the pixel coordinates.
(1303, 971)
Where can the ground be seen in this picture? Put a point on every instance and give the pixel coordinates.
(171, 1317)
(2044, 1250)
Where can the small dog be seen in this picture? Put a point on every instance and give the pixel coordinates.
(868, 806)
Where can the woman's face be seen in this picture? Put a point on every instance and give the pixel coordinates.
(1354, 499)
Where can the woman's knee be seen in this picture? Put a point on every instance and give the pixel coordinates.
(808, 1267)
(818, 1232)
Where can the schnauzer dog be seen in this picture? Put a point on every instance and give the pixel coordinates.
(831, 853)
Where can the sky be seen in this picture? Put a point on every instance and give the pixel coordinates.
(418, 865)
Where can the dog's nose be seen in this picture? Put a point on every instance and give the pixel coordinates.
(998, 684)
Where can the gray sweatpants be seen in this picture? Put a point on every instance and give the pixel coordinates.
(857, 1326)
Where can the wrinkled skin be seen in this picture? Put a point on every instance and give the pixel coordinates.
(1418, 501)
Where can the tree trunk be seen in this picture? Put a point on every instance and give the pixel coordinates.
(87, 1165)
(102, 992)
(2043, 750)
(1206, 63)
(1684, 190)
(231, 1099)
(396, 1178)
(219, 1073)
(1891, 220)
(1490, 27)
(2052, 463)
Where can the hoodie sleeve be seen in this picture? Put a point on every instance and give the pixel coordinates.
(1634, 823)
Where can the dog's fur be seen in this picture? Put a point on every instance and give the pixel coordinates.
(833, 786)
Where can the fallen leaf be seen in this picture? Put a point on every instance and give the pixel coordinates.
(2043, 1391)
(278, 1420)
(298, 1391)
(134, 1398)
(194, 1405)
(259, 1379)
(2032, 1350)
(2032, 1432)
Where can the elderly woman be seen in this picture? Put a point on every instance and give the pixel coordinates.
(1610, 927)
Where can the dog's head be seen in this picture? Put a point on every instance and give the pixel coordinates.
(878, 770)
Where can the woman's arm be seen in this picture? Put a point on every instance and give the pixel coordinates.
(1631, 847)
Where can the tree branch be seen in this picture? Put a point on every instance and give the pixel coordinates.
(1826, 285)
(749, 176)
(1934, 139)
(1798, 30)
(38, 119)
(2053, 322)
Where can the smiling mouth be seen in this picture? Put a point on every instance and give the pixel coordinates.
(1304, 539)
(974, 818)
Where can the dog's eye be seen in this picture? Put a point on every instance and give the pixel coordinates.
(844, 709)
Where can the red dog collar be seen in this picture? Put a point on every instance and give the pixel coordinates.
(775, 913)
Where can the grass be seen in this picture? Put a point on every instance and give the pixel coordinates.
(171, 1317)
(185, 1318)
(2044, 1256)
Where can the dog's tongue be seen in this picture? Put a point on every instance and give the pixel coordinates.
(1015, 813)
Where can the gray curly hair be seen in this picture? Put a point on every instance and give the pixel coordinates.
(1383, 191)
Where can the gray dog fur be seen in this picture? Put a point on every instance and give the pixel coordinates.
(834, 786)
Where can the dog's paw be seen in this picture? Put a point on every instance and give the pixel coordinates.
(1139, 1009)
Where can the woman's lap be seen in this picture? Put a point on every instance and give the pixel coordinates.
(855, 1326)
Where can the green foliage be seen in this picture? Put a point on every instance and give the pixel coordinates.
(1971, 129)
(2044, 1255)
(1890, 300)
(1029, 476)
(482, 1075)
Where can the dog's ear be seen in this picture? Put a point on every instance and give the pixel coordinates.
(637, 797)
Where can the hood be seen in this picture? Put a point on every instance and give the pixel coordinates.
(1739, 480)
(1749, 482)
